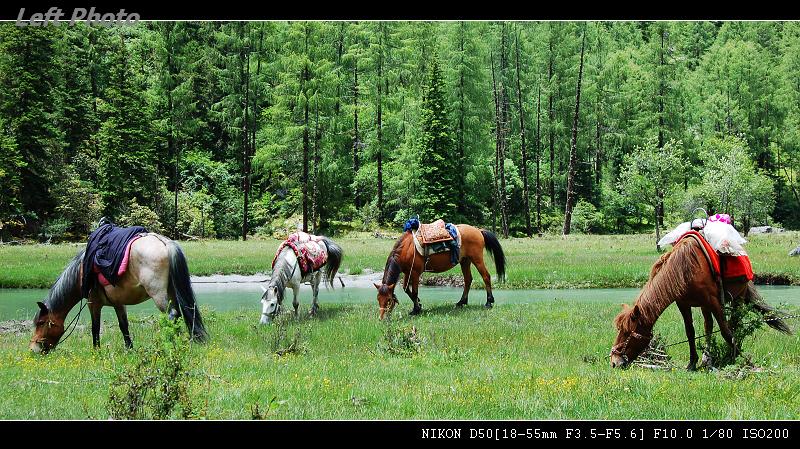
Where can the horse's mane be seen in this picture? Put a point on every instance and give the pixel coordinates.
(392, 270)
(281, 273)
(63, 290)
(669, 280)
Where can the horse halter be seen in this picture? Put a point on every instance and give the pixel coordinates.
(620, 348)
(392, 303)
(50, 323)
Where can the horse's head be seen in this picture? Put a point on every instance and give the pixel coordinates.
(270, 303)
(632, 339)
(386, 298)
(48, 330)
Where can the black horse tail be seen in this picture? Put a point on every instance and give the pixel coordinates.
(335, 254)
(181, 284)
(753, 297)
(492, 246)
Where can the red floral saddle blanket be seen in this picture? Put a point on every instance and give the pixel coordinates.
(433, 232)
(725, 265)
(310, 250)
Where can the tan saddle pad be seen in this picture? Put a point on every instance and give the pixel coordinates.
(433, 232)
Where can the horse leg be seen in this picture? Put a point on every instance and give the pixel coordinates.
(95, 307)
(686, 312)
(465, 269)
(415, 294)
(487, 281)
(122, 319)
(708, 323)
(725, 329)
(296, 298)
(315, 290)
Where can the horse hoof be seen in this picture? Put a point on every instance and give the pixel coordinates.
(415, 311)
(488, 305)
(691, 367)
(461, 303)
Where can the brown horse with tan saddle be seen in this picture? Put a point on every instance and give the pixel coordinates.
(437, 248)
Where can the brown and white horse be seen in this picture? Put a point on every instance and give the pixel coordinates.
(405, 259)
(682, 276)
(156, 269)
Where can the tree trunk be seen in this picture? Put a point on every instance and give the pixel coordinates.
(306, 148)
(498, 132)
(244, 58)
(356, 137)
(551, 119)
(573, 150)
(523, 149)
(460, 142)
(505, 130)
(657, 212)
(538, 159)
(315, 221)
(379, 124)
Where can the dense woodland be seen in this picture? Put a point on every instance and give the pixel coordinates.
(237, 129)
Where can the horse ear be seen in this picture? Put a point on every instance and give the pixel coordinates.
(391, 286)
(376, 285)
(635, 312)
(42, 307)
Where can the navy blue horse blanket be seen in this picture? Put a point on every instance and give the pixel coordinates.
(105, 250)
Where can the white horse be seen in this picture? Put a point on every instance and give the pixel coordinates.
(286, 273)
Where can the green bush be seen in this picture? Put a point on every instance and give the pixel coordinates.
(138, 215)
(400, 341)
(157, 385)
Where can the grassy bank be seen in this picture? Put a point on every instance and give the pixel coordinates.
(535, 361)
(550, 261)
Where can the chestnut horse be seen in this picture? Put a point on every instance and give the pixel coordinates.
(156, 269)
(682, 276)
(405, 259)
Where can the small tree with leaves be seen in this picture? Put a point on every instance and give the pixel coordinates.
(732, 184)
(650, 174)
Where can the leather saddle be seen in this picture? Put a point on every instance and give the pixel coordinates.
(433, 232)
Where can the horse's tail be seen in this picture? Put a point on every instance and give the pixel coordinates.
(335, 254)
(492, 246)
(753, 297)
(180, 283)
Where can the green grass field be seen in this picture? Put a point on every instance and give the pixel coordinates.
(579, 261)
(545, 360)
(542, 360)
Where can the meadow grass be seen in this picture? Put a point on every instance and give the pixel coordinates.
(543, 360)
(578, 261)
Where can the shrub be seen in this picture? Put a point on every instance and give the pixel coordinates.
(138, 215)
(744, 320)
(401, 342)
(158, 383)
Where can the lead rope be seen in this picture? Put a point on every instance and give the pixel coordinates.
(413, 259)
(75, 321)
(766, 320)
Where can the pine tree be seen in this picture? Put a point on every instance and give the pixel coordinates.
(435, 146)
(127, 161)
(28, 93)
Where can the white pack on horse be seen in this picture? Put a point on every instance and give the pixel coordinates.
(301, 258)
(148, 265)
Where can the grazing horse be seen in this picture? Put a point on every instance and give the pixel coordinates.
(404, 258)
(156, 269)
(682, 276)
(286, 272)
